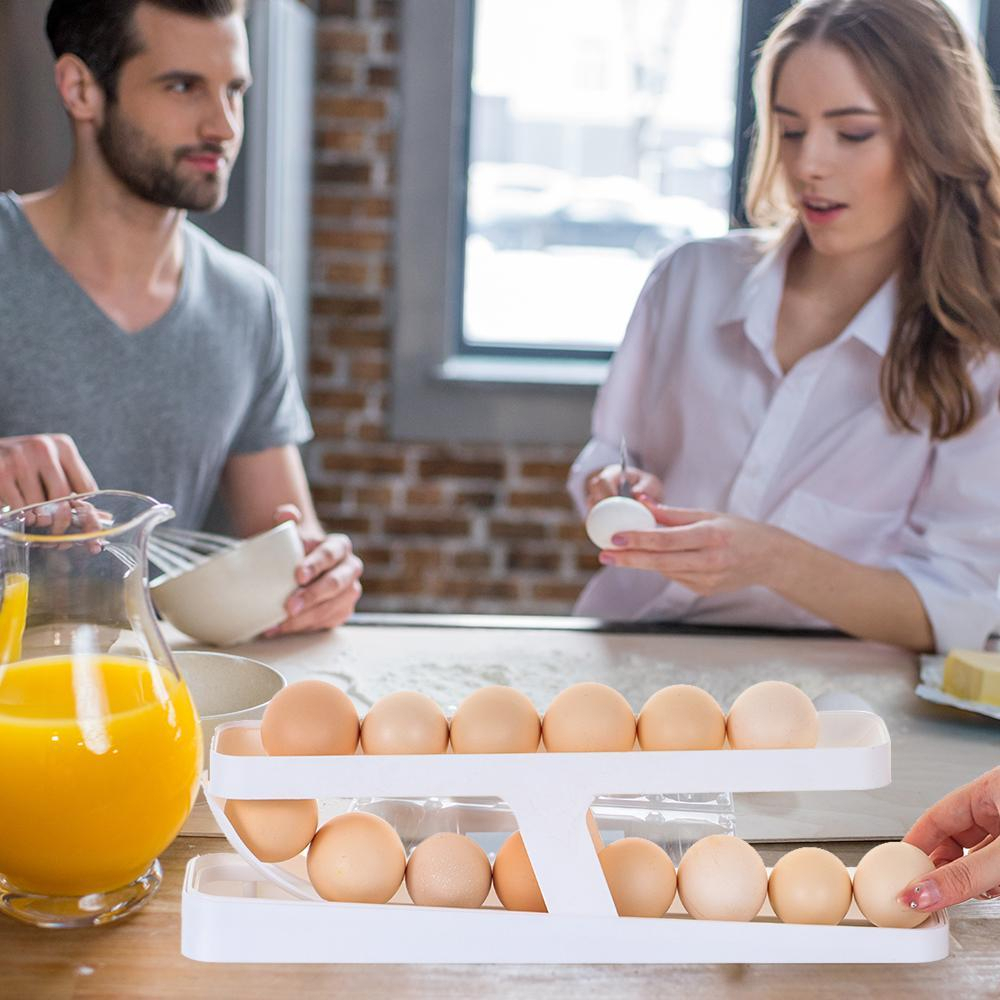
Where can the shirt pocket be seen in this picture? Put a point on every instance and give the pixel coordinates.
(867, 536)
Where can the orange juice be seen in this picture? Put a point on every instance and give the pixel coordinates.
(99, 764)
(13, 608)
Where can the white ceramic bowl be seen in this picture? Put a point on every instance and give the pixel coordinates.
(227, 688)
(237, 594)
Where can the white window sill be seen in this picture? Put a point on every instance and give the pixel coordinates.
(523, 371)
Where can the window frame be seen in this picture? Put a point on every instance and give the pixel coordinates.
(438, 393)
(443, 390)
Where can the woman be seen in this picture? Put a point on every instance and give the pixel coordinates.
(818, 402)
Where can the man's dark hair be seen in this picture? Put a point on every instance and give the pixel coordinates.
(102, 33)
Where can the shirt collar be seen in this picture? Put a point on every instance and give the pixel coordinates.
(755, 306)
(874, 323)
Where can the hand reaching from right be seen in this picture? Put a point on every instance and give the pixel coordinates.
(960, 833)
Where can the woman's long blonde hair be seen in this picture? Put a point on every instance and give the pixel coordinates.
(925, 74)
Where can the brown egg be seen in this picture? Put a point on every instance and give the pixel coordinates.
(588, 717)
(681, 717)
(307, 718)
(772, 715)
(810, 886)
(274, 829)
(640, 875)
(240, 742)
(722, 878)
(882, 874)
(514, 878)
(356, 858)
(496, 719)
(448, 869)
(404, 722)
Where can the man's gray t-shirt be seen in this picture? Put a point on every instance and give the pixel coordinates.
(158, 411)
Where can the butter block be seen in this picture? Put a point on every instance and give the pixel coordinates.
(973, 675)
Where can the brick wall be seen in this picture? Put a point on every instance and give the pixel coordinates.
(472, 528)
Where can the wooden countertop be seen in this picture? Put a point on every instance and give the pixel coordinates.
(140, 957)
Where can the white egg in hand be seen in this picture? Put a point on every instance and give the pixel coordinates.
(614, 514)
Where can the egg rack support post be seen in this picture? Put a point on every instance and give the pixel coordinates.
(553, 825)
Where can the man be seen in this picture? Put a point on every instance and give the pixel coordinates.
(137, 353)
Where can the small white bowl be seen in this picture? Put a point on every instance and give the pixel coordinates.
(233, 596)
(227, 688)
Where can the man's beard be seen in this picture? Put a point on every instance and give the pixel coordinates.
(147, 171)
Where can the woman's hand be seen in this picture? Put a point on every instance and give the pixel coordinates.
(604, 483)
(705, 552)
(329, 581)
(967, 818)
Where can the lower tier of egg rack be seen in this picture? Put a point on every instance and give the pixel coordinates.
(236, 908)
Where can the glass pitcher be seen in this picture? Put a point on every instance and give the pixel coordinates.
(100, 743)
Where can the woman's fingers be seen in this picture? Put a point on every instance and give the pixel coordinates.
(968, 817)
(965, 878)
(647, 485)
(669, 564)
(956, 813)
(690, 537)
(606, 483)
(675, 516)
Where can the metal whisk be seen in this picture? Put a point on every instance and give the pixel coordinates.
(177, 550)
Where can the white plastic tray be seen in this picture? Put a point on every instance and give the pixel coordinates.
(231, 913)
(852, 752)
(548, 793)
(237, 908)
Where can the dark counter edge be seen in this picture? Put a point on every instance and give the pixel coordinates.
(570, 624)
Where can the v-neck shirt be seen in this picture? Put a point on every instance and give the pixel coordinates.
(160, 410)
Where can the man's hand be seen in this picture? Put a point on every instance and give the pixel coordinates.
(604, 483)
(706, 552)
(329, 580)
(39, 467)
(968, 818)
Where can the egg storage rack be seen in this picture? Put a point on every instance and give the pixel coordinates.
(239, 909)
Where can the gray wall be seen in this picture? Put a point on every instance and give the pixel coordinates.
(34, 132)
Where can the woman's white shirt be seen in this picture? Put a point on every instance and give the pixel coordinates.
(699, 394)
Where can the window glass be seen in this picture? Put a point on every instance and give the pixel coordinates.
(967, 12)
(601, 132)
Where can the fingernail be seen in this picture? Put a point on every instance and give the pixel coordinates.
(618, 539)
(270, 633)
(304, 574)
(607, 558)
(295, 605)
(924, 896)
